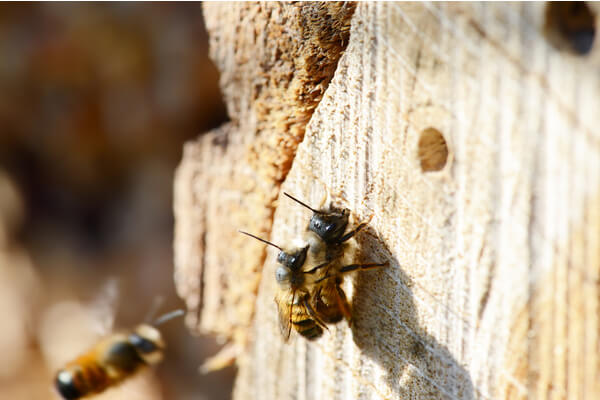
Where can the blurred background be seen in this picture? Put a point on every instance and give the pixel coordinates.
(96, 102)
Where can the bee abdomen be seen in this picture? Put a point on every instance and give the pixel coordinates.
(328, 308)
(81, 379)
(329, 313)
(96, 371)
(333, 318)
(308, 328)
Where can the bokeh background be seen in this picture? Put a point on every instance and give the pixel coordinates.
(96, 102)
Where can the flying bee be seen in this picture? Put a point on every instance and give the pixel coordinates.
(113, 360)
(310, 295)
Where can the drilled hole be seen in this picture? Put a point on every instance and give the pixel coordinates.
(433, 151)
(571, 26)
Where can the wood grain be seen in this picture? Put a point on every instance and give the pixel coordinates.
(493, 285)
(276, 60)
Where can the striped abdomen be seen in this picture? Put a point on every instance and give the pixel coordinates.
(107, 364)
(82, 377)
(304, 324)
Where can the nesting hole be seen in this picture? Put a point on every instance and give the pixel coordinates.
(433, 150)
(571, 26)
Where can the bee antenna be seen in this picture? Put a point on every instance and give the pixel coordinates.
(168, 316)
(156, 303)
(262, 240)
(302, 204)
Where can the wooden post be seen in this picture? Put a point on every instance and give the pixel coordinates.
(474, 143)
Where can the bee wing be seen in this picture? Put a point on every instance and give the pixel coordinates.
(284, 310)
(103, 307)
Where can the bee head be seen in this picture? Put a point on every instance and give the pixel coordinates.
(293, 260)
(66, 384)
(148, 343)
(329, 226)
(289, 270)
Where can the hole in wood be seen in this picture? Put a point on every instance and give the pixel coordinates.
(570, 26)
(433, 151)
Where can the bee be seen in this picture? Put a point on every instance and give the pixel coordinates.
(113, 359)
(310, 295)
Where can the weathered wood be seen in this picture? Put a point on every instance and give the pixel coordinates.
(276, 59)
(493, 285)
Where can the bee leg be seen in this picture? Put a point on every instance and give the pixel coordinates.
(315, 269)
(343, 304)
(353, 232)
(324, 278)
(313, 314)
(353, 267)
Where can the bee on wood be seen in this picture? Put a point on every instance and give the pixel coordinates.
(330, 246)
(310, 295)
(112, 360)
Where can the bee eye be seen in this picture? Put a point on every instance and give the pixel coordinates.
(282, 274)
